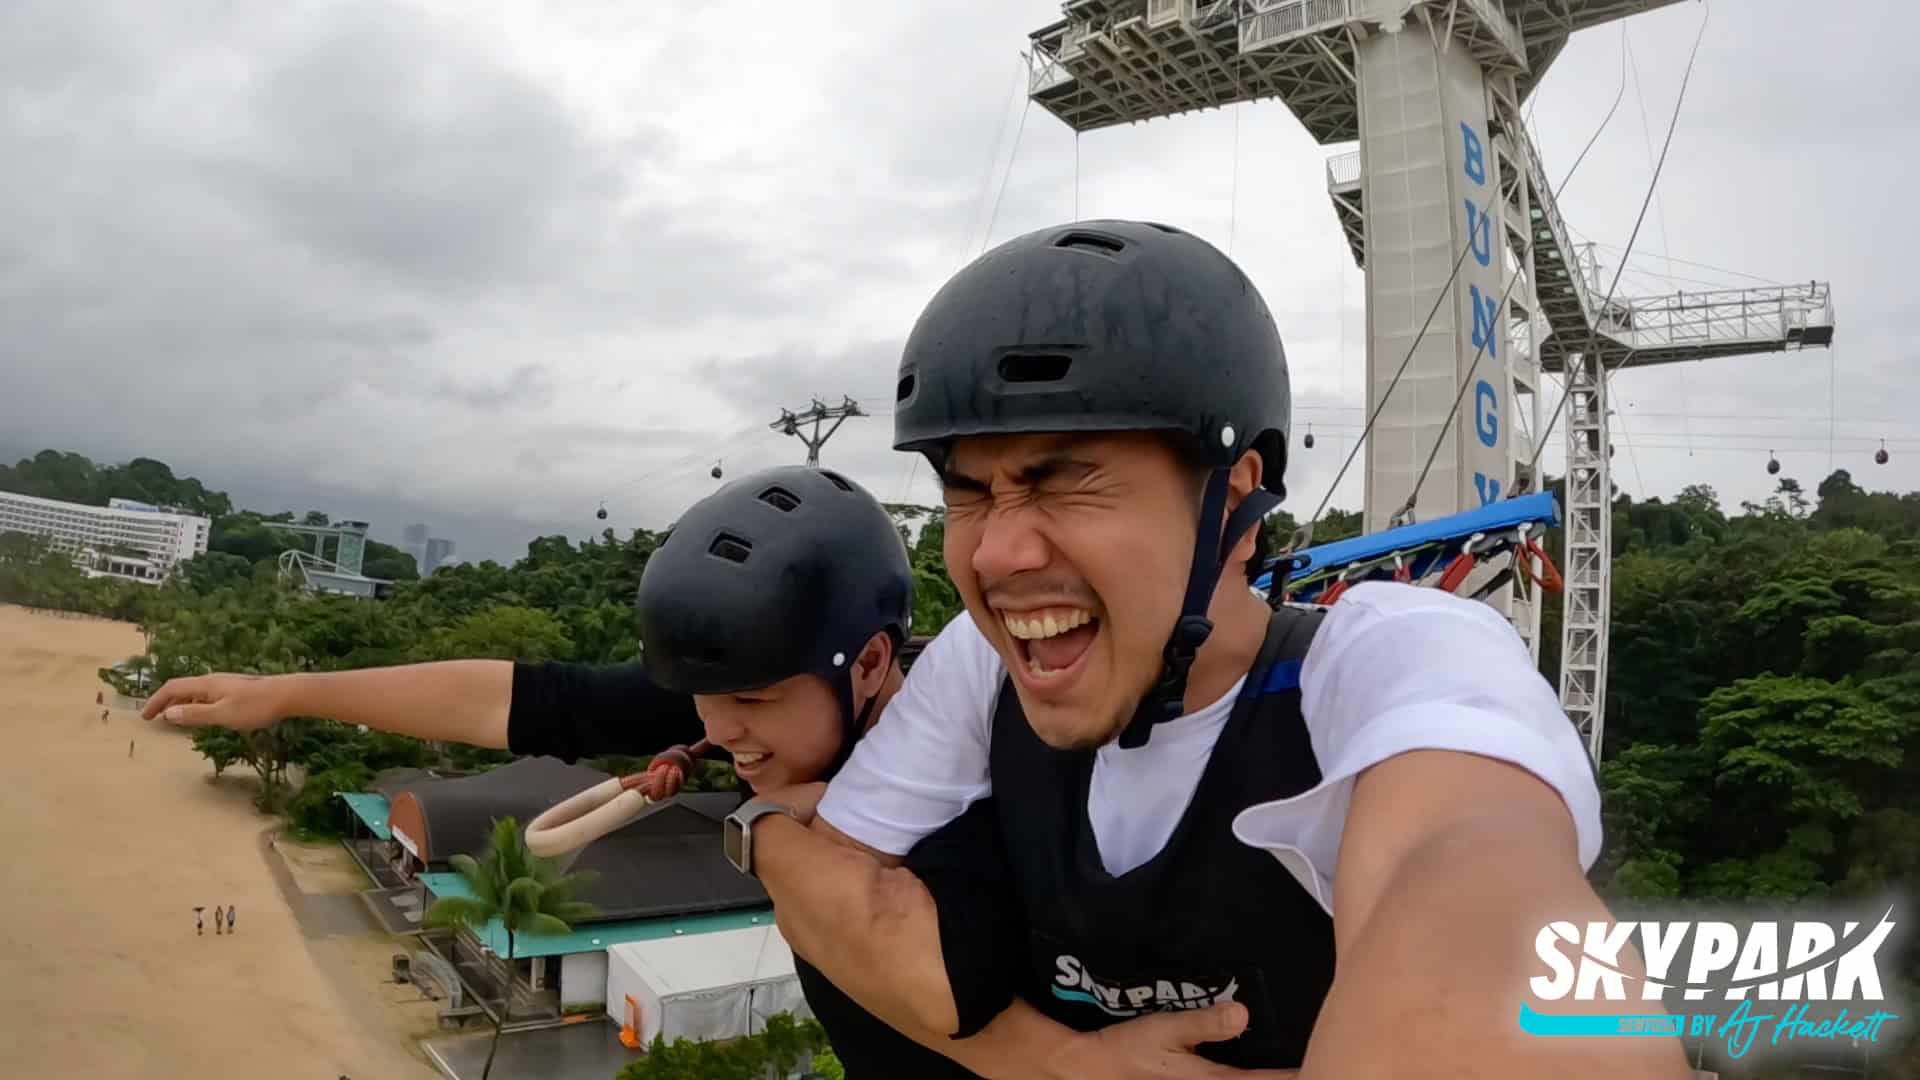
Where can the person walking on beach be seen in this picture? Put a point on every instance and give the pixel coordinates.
(229, 918)
(199, 924)
(217, 917)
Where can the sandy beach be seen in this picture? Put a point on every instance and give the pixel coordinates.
(104, 974)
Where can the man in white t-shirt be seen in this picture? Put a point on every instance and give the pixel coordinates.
(1177, 775)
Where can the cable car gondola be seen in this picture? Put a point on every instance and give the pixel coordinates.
(1308, 441)
(1773, 464)
(716, 471)
(1880, 455)
(602, 512)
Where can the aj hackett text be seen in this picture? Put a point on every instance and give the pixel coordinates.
(1824, 975)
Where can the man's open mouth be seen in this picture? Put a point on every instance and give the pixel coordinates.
(1050, 641)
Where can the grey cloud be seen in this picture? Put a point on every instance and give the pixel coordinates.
(789, 378)
(230, 226)
(528, 387)
(380, 138)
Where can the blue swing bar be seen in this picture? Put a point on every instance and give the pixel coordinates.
(1493, 519)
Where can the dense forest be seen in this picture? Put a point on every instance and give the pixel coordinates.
(1763, 717)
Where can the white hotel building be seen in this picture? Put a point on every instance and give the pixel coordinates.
(164, 538)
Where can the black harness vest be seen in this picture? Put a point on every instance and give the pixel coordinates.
(1208, 919)
(867, 1048)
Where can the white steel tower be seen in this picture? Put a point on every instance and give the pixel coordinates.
(1472, 279)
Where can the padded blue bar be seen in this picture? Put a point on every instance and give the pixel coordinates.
(1494, 517)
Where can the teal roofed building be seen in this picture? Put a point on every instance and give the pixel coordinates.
(663, 875)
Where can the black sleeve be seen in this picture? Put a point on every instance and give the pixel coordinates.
(571, 711)
(982, 934)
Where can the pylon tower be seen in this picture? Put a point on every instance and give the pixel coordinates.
(1472, 277)
(790, 423)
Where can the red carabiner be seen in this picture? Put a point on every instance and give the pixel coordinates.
(1456, 572)
(1548, 576)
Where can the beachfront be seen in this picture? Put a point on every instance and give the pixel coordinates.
(106, 977)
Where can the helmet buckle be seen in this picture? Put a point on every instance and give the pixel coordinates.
(1189, 634)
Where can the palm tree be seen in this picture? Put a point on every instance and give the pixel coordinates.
(525, 893)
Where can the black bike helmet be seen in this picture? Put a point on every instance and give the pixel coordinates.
(1111, 326)
(785, 572)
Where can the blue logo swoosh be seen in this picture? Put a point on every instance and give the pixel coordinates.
(1082, 996)
(1589, 1025)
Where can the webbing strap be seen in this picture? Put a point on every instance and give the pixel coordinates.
(1167, 700)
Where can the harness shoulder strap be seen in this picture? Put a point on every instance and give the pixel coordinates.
(1289, 635)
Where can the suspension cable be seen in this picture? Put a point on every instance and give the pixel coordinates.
(1303, 536)
(1460, 395)
(1666, 241)
(1021, 71)
(1012, 157)
(1525, 256)
(1594, 332)
(1597, 132)
(1233, 200)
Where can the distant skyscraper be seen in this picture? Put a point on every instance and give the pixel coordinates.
(414, 543)
(438, 551)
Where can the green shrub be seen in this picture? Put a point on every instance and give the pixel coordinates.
(785, 1046)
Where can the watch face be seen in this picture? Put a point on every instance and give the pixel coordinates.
(733, 837)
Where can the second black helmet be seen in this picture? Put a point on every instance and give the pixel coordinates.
(785, 572)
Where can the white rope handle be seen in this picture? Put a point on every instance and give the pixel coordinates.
(588, 816)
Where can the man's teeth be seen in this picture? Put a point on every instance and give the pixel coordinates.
(1039, 627)
(1052, 624)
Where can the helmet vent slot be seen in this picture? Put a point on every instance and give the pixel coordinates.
(730, 547)
(780, 499)
(905, 389)
(1099, 242)
(838, 480)
(1034, 367)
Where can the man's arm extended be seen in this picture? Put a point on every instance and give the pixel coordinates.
(1449, 866)
(1456, 813)
(874, 931)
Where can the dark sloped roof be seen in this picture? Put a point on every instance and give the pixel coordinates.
(391, 782)
(460, 813)
(669, 861)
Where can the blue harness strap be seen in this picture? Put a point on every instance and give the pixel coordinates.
(1283, 655)
(1282, 677)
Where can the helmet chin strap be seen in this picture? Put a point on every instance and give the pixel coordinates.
(1167, 698)
(855, 722)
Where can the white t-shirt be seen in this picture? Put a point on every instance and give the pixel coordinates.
(1393, 668)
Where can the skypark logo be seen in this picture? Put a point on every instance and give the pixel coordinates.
(1783, 979)
(1127, 998)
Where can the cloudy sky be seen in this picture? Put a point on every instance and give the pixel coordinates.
(484, 265)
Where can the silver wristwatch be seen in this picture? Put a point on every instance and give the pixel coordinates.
(736, 832)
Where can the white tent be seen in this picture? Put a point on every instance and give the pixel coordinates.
(720, 985)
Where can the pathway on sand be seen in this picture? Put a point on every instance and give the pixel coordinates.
(105, 977)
